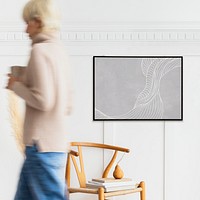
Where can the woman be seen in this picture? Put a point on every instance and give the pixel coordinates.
(46, 93)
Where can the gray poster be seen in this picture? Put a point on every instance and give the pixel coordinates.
(138, 88)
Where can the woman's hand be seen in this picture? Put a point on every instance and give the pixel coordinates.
(11, 81)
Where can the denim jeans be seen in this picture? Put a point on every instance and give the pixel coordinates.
(42, 176)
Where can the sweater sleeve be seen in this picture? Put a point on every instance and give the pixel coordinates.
(41, 92)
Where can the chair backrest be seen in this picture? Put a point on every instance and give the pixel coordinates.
(81, 172)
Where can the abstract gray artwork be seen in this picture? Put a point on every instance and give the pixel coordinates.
(138, 88)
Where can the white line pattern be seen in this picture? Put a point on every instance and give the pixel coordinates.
(149, 104)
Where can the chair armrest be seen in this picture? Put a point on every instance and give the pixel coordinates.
(98, 145)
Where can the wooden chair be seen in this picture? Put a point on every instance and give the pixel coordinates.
(102, 195)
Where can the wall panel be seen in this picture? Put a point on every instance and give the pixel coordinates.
(145, 160)
(182, 140)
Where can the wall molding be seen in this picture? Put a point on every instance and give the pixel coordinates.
(137, 38)
(113, 36)
(112, 32)
(132, 31)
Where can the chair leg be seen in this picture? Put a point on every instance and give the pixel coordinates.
(101, 193)
(142, 193)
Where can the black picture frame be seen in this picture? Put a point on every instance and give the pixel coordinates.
(137, 88)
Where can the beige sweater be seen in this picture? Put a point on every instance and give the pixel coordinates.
(46, 91)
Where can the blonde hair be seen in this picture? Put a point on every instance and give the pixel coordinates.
(44, 10)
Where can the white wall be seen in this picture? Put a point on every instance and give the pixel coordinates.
(130, 10)
(164, 154)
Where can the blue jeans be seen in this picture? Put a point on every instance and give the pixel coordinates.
(42, 176)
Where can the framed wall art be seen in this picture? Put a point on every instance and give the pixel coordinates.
(137, 88)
